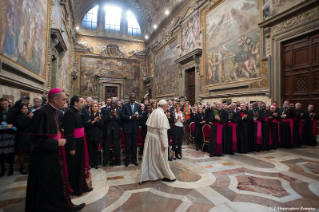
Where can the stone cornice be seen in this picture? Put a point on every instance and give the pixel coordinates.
(300, 8)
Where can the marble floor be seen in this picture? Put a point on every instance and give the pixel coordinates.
(277, 180)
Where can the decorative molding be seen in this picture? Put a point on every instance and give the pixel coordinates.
(298, 20)
(112, 50)
(57, 40)
(114, 38)
(13, 67)
(15, 83)
(306, 5)
(193, 55)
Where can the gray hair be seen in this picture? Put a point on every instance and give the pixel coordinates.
(58, 95)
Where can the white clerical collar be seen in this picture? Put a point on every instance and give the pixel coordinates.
(52, 106)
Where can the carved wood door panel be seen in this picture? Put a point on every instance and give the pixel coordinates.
(110, 92)
(300, 70)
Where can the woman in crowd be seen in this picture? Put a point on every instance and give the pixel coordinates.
(7, 136)
(178, 131)
(154, 105)
(93, 130)
(199, 120)
(187, 112)
(22, 121)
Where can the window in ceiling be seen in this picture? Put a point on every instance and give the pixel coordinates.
(113, 17)
(90, 19)
(133, 26)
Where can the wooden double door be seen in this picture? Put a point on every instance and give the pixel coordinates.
(111, 91)
(300, 70)
(190, 85)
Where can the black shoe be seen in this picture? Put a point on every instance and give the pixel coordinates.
(78, 207)
(196, 149)
(168, 180)
(179, 158)
(135, 163)
(90, 189)
(3, 171)
(211, 155)
(23, 171)
(126, 164)
(170, 159)
(118, 164)
(96, 167)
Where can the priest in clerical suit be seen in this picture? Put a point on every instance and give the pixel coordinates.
(155, 164)
(218, 137)
(309, 131)
(298, 122)
(286, 125)
(131, 114)
(274, 122)
(244, 119)
(112, 120)
(263, 117)
(76, 148)
(47, 185)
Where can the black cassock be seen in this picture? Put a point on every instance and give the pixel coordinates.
(46, 187)
(285, 128)
(263, 117)
(230, 146)
(274, 124)
(297, 134)
(198, 132)
(76, 163)
(213, 146)
(244, 131)
(309, 129)
(257, 121)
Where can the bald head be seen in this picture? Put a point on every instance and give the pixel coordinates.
(298, 106)
(219, 105)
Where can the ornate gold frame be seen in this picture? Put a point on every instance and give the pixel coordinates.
(21, 68)
(70, 51)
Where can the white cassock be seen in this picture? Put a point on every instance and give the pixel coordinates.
(155, 161)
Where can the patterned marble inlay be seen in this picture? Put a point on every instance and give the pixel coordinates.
(259, 185)
(184, 174)
(236, 183)
(314, 168)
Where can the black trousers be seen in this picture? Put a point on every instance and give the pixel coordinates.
(130, 147)
(93, 149)
(107, 148)
(178, 134)
(169, 133)
(9, 158)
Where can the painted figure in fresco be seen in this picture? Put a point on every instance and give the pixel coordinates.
(196, 24)
(189, 36)
(12, 18)
(249, 68)
(235, 73)
(4, 5)
(220, 62)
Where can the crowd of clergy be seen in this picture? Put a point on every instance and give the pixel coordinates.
(74, 130)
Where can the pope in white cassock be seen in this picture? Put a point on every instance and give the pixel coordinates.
(155, 156)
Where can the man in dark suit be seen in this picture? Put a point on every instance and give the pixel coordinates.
(145, 114)
(131, 113)
(112, 120)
